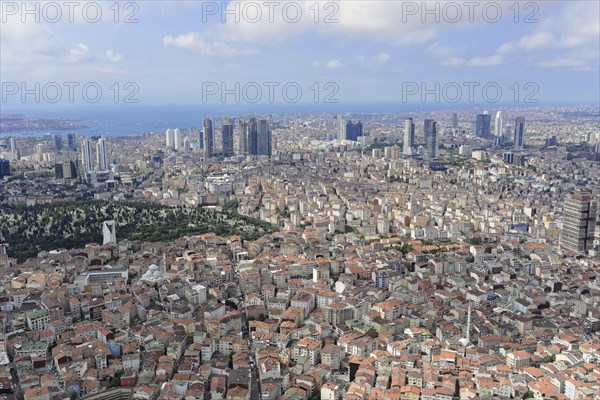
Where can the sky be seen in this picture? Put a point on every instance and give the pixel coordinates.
(348, 51)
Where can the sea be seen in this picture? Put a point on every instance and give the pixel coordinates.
(133, 120)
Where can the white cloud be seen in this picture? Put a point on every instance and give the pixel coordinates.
(454, 61)
(388, 22)
(194, 41)
(562, 62)
(79, 53)
(495, 59)
(373, 61)
(333, 64)
(539, 40)
(112, 56)
(572, 33)
(382, 58)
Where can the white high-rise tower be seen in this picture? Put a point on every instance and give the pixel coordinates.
(498, 124)
(170, 138)
(341, 125)
(409, 137)
(86, 156)
(101, 156)
(176, 139)
(109, 234)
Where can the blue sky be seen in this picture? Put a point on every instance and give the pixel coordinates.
(372, 51)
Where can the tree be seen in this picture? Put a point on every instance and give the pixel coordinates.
(261, 317)
(488, 250)
(115, 381)
(474, 240)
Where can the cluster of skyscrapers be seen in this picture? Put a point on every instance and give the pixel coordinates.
(483, 129)
(254, 137)
(87, 162)
(65, 170)
(430, 133)
(348, 130)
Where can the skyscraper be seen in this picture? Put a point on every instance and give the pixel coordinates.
(353, 131)
(430, 138)
(72, 141)
(264, 146)
(187, 145)
(209, 138)
(227, 137)
(252, 137)
(109, 234)
(409, 137)
(58, 170)
(455, 121)
(58, 144)
(498, 129)
(483, 125)
(177, 139)
(341, 128)
(519, 133)
(243, 136)
(579, 222)
(86, 156)
(4, 168)
(170, 138)
(101, 157)
(69, 169)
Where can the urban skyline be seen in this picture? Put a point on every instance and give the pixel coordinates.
(300, 200)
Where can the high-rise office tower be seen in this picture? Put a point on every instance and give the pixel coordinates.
(579, 222)
(409, 137)
(227, 137)
(101, 157)
(455, 121)
(176, 139)
(187, 145)
(264, 146)
(519, 133)
(243, 137)
(170, 138)
(341, 128)
(58, 170)
(69, 169)
(253, 137)
(209, 138)
(498, 124)
(12, 145)
(483, 125)
(86, 156)
(4, 168)
(353, 131)
(58, 144)
(430, 138)
(72, 141)
(109, 234)
(498, 129)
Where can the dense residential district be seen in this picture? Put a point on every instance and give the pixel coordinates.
(446, 256)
